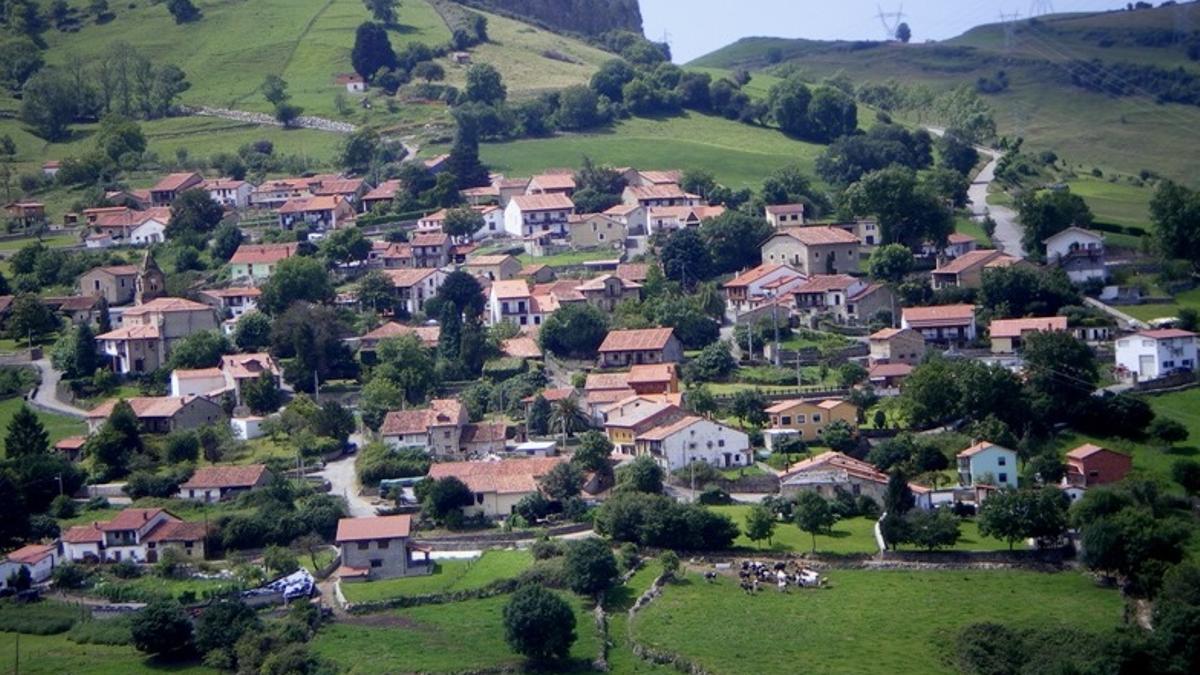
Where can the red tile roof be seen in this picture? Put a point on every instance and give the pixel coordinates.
(177, 530)
(938, 315)
(836, 460)
(819, 235)
(785, 209)
(657, 191)
(606, 381)
(555, 201)
(980, 447)
(428, 334)
(144, 406)
(31, 554)
(552, 395)
(507, 289)
(752, 275)
(132, 519)
(226, 477)
(493, 432)
(969, 260)
(175, 181)
(83, 534)
(247, 254)
(158, 305)
(823, 283)
(510, 476)
(652, 373)
(1166, 334)
(670, 429)
(379, 527)
(440, 412)
(522, 348)
(409, 278)
(885, 370)
(1002, 328)
(553, 181)
(633, 271)
(636, 340)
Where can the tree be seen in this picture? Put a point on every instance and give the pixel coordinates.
(222, 623)
(903, 33)
(119, 136)
(578, 109)
(831, 114)
(49, 103)
(715, 362)
(463, 163)
(562, 482)
(253, 332)
(734, 240)
(262, 395)
(1017, 515)
(194, 214)
(202, 349)
(760, 524)
(384, 11)
(1186, 472)
(537, 422)
(1048, 212)
(14, 526)
(932, 530)
(429, 71)
(686, 258)
(379, 397)
(445, 496)
(1177, 619)
(956, 153)
(568, 417)
(463, 222)
(296, 279)
(359, 150)
(30, 318)
(539, 624)
(406, 362)
(575, 330)
(280, 560)
(1175, 211)
(749, 406)
(344, 247)
(898, 499)
(225, 241)
(484, 85)
(593, 453)
(183, 11)
(26, 435)
(1060, 373)
(788, 102)
(162, 629)
(612, 77)
(813, 515)
(891, 262)
(287, 114)
(75, 353)
(590, 566)
(1167, 431)
(641, 475)
(372, 50)
(909, 212)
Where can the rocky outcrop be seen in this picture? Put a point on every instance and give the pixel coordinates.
(585, 17)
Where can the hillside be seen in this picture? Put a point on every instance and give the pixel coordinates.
(1128, 133)
(585, 17)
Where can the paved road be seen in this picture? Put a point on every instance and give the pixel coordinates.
(340, 474)
(1117, 314)
(44, 395)
(1008, 230)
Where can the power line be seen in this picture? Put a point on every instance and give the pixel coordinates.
(890, 20)
(1009, 21)
(1040, 7)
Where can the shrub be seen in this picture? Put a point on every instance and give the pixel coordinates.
(113, 632)
(539, 624)
(38, 618)
(544, 549)
(591, 566)
(69, 576)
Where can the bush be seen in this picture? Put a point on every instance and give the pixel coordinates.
(69, 576)
(715, 496)
(591, 566)
(539, 624)
(377, 462)
(126, 569)
(38, 618)
(544, 549)
(114, 632)
(655, 520)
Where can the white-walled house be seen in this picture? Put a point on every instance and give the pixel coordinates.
(228, 192)
(694, 439)
(134, 534)
(151, 231)
(1079, 252)
(987, 464)
(527, 215)
(942, 323)
(1151, 354)
(512, 300)
(39, 559)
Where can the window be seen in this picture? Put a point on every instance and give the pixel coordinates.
(721, 443)
(364, 545)
(1168, 364)
(382, 543)
(800, 419)
(376, 563)
(1003, 478)
(785, 420)
(1002, 461)
(478, 497)
(816, 418)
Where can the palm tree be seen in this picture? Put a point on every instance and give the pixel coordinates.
(568, 417)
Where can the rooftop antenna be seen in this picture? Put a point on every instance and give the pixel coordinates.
(890, 20)
(1009, 21)
(1040, 7)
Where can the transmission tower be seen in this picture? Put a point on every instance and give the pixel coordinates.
(1040, 7)
(1009, 21)
(890, 20)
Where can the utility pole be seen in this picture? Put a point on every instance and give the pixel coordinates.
(1010, 28)
(1040, 7)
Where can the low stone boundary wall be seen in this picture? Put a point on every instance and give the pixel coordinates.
(493, 589)
(470, 542)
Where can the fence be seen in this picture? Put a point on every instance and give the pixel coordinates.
(785, 393)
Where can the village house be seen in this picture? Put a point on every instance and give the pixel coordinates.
(353, 82)
(123, 225)
(562, 183)
(986, 463)
(831, 473)
(379, 548)
(942, 324)
(624, 429)
(957, 244)
(273, 194)
(671, 218)
(966, 271)
(527, 215)
(482, 195)
(649, 345)
(754, 286)
(415, 287)
(608, 291)
(1008, 335)
(437, 429)
(867, 231)
(1089, 465)
(381, 196)
(818, 249)
(897, 345)
(349, 189)
(167, 190)
(1151, 354)
(430, 249)
(325, 212)
(257, 261)
(507, 188)
(231, 302)
(149, 332)
(537, 273)
(810, 418)
(493, 267)
(211, 484)
(513, 301)
(649, 196)
(637, 272)
(162, 414)
(521, 347)
(633, 176)
(39, 559)
(1079, 252)
(602, 390)
(484, 438)
(115, 283)
(887, 378)
(659, 378)
(498, 486)
(845, 299)
(785, 215)
(138, 535)
(694, 439)
(552, 396)
(632, 216)
(368, 343)
(234, 373)
(71, 447)
(25, 214)
(229, 192)
(493, 222)
(596, 230)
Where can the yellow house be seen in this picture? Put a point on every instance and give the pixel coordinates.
(624, 430)
(810, 418)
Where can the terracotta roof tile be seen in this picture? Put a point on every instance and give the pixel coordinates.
(555, 201)
(226, 476)
(510, 476)
(819, 235)
(636, 340)
(379, 527)
(1017, 327)
(262, 253)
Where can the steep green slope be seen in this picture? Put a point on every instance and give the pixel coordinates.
(585, 17)
(1127, 134)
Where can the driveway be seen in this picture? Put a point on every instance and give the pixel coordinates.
(1007, 236)
(344, 482)
(43, 397)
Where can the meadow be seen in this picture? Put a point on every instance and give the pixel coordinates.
(57, 426)
(865, 621)
(55, 654)
(448, 576)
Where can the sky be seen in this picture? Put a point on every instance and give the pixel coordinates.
(697, 27)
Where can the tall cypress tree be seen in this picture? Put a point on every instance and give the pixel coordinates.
(26, 435)
(86, 359)
(464, 162)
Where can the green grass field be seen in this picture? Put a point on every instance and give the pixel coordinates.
(617, 602)
(1150, 312)
(739, 155)
(462, 636)
(1119, 203)
(570, 258)
(856, 535)
(55, 654)
(448, 575)
(866, 621)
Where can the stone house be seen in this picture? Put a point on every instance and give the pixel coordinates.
(379, 548)
(818, 249)
(632, 347)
